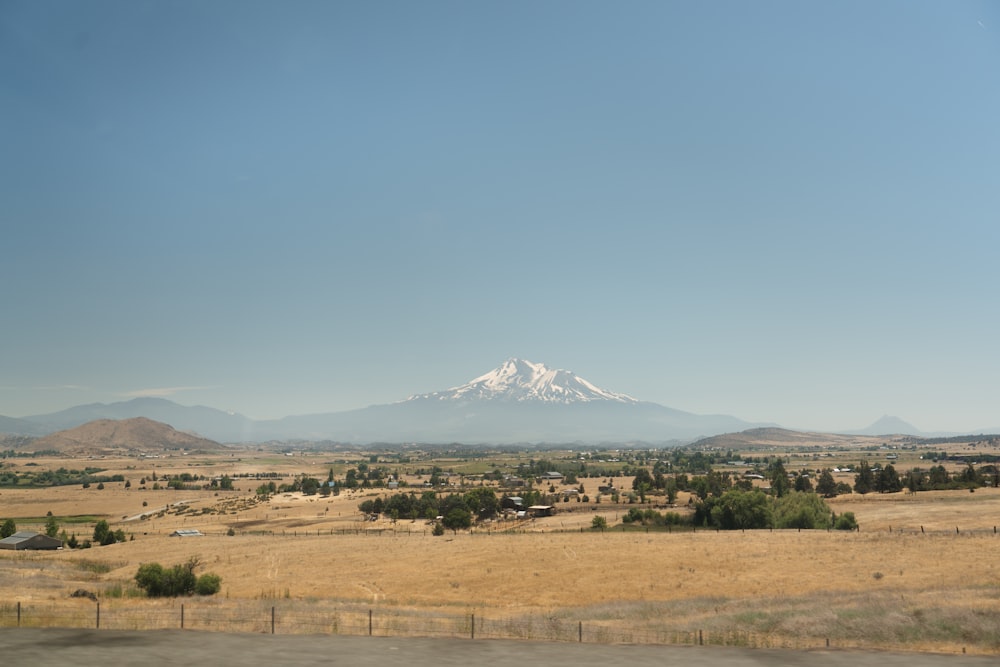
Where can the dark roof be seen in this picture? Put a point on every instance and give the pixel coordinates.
(29, 539)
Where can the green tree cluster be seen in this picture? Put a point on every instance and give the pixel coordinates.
(480, 503)
(801, 510)
(650, 517)
(178, 580)
(104, 536)
(737, 509)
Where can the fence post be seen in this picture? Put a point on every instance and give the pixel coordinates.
(182, 616)
(580, 632)
(18, 613)
(473, 626)
(98, 615)
(701, 639)
(272, 620)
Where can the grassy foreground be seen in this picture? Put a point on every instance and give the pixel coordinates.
(921, 575)
(915, 591)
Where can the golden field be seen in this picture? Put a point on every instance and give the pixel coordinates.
(921, 573)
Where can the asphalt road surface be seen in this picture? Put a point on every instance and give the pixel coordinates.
(113, 648)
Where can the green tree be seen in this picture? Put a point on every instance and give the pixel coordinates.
(778, 477)
(51, 526)
(802, 483)
(642, 476)
(457, 518)
(888, 481)
(150, 579)
(970, 477)
(226, 483)
(939, 477)
(103, 534)
(825, 485)
(740, 510)
(864, 480)
(8, 528)
(801, 510)
(309, 485)
(482, 502)
(599, 523)
(671, 489)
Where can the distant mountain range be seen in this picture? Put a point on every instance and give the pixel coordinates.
(888, 424)
(517, 402)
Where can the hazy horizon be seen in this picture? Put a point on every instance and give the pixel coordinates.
(779, 211)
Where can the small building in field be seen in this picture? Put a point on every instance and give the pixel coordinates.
(26, 540)
(512, 503)
(552, 477)
(541, 510)
(186, 532)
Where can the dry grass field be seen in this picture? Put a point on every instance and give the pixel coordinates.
(922, 572)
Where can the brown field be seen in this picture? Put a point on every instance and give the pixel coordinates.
(922, 573)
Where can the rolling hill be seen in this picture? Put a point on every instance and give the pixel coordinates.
(133, 436)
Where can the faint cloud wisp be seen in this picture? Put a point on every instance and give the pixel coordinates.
(161, 391)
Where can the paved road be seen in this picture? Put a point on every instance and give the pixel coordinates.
(86, 648)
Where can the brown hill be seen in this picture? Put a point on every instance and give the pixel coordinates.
(125, 436)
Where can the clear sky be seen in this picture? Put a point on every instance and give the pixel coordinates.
(783, 211)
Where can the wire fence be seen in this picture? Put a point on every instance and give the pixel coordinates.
(303, 618)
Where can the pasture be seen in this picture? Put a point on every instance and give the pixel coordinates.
(921, 573)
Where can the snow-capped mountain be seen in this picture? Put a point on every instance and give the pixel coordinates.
(519, 402)
(520, 380)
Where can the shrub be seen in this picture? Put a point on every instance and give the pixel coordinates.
(208, 584)
(846, 521)
(801, 509)
(178, 580)
(599, 523)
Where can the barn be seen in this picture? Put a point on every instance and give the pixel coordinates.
(541, 510)
(26, 540)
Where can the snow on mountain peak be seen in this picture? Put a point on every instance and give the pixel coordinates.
(521, 380)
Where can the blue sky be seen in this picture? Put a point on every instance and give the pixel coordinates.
(784, 211)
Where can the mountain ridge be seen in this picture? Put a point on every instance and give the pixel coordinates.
(518, 402)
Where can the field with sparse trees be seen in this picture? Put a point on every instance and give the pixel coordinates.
(780, 543)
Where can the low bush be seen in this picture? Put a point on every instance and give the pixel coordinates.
(178, 580)
(846, 521)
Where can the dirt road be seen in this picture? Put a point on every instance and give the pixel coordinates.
(86, 648)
